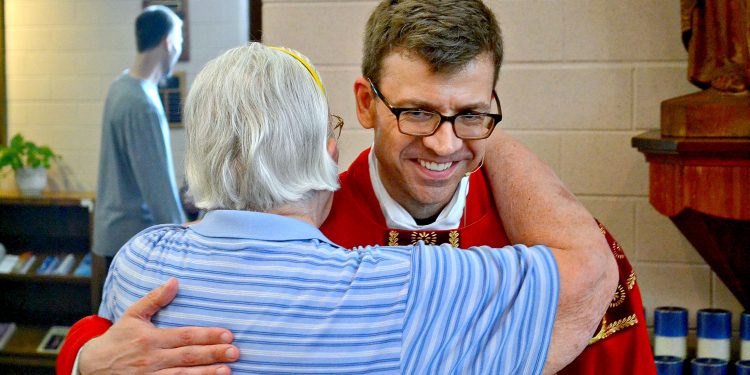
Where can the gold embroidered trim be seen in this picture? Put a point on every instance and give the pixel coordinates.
(620, 254)
(393, 238)
(609, 329)
(429, 238)
(619, 297)
(614, 246)
(631, 280)
(453, 238)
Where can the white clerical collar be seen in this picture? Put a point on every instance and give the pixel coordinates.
(398, 218)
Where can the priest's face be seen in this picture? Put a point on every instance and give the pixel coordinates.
(423, 172)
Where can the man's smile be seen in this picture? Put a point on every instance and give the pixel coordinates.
(433, 166)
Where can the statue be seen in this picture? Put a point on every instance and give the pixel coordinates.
(716, 34)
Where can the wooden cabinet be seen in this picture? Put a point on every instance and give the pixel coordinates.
(52, 224)
(703, 185)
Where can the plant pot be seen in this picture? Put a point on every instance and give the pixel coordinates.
(31, 181)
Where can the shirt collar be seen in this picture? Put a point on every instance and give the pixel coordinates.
(256, 226)
(396, 215)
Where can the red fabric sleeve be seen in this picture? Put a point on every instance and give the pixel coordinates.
(626, 353)
(79, 334)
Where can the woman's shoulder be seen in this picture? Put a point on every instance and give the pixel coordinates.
(158, 235)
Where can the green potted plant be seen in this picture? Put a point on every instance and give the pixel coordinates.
(29, 162)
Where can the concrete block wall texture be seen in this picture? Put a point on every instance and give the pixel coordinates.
(581, 77)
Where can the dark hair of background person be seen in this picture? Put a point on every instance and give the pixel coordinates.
(152, 26)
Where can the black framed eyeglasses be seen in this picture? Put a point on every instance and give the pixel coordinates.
(419, 122)
(336, 124)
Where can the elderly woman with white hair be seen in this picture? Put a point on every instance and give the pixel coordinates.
(261, 160)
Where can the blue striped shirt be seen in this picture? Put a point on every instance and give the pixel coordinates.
(297, 303)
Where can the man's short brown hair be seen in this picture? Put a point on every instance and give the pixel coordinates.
(447, 34)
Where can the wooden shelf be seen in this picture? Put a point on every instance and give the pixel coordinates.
(31, 275)
(55, 223)
(60, 198)
(30, 278)
(708, 175)
(703, 185)
(21, 348)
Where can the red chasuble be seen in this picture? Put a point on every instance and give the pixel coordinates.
(620, 345)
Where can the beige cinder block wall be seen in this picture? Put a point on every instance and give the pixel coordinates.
(581, 77)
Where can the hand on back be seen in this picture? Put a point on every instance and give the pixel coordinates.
(133, 345)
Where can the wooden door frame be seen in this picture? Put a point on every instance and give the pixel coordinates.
(3, 89)
(255, 18)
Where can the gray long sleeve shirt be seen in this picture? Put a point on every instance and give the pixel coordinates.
(136, 184)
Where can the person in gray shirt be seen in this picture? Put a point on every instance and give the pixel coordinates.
(136, 184)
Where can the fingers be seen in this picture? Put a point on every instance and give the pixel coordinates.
(198, 356)
(130, 349)
(165, 294)
(200, 370)
(187, 336)
(152, 302)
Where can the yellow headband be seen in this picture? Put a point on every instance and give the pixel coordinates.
(305, 63)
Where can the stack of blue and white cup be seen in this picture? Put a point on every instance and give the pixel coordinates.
(714, 334)
(743, 365)
(670, 339)
(714, 342)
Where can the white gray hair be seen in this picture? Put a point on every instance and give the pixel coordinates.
(257, 129)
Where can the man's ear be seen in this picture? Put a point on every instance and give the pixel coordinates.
(365, 103)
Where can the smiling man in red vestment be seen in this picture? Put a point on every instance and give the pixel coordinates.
(433, 174)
